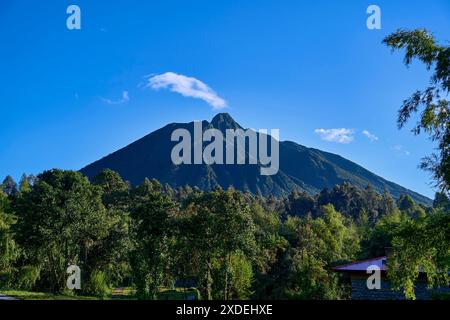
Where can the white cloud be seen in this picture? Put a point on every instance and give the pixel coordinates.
(370, 136)
(125, 99)
(187, 87)
(401, 150)
(342, 135)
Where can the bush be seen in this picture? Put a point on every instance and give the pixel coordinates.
(5, 280)
(97, 285)
(26, 277)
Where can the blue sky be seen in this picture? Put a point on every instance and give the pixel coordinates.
(71, 97)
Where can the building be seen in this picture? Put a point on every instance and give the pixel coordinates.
(359, 275)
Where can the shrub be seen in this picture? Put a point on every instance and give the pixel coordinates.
(5, 280)
(26, 277)
(97, 285)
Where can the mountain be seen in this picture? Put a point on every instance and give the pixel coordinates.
(303, 168)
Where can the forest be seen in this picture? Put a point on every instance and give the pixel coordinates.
(224, 243)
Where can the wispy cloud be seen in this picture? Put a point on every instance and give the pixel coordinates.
(187, 87)
(399, 149)
(341, 135)
(125, 98)
(370, 136)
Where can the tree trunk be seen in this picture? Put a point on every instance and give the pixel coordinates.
(227, 271)
(208, 280)
(54, 283)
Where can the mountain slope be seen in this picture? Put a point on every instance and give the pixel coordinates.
(303, 168)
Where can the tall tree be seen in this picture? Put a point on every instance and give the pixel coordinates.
(115, 190)
(61, 218)
(9, 186)
(110, 254)
(435, 109)
(300, 203)
(7, 244)
(424, 243)
(219, 227)
(421, 246)
(152, 215)
(24, 184)
(316, 245)
(441, 201)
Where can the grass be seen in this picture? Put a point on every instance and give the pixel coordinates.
(126, 293)
(27, 295)
(117, 294)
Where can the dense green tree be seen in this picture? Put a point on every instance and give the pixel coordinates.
(233, 278)
(110, 254)
(371, 202)
(241, 275)
(381, 236)
(407, 206)
(421, 245)
(61, 218)
(9, 186)
(24, 184)
(220, 226)
(300, 203)
(387, 204)
(152, 214)
(364, 228)
(8, 251)
(345, 198)
(441, 201)
(271, 245)
(406, 203)
(316, 245)
(115, 190)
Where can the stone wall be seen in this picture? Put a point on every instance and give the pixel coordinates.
(361, 292)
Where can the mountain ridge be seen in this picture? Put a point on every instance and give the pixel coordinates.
(301, 167)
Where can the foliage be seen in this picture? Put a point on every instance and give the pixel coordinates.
(219, 225)
(423, 244)
(26, 277)
(152, 213)
(435, 109)
(9, 186)
(316, 245)
(61, 218)
(224, 244)
(97, 285)
(8, 250)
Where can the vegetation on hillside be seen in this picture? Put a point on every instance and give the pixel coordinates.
(226, 243)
